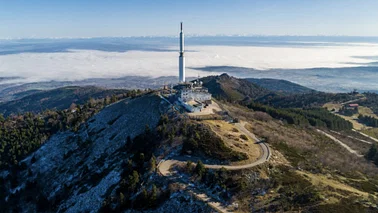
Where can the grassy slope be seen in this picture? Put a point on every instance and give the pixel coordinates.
(312, 159)
(230, 88)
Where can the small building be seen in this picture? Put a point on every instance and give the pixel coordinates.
(352, 106)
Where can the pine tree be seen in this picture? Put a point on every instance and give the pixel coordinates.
(153, 164)
(153, 196)
(372, 152)
(200, 168)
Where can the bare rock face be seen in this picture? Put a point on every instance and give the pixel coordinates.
(181, 202)
(75, 171)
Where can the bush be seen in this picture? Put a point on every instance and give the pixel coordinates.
(244, 137)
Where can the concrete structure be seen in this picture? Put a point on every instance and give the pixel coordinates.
(181, 58)
(198, 94)
(193, 97)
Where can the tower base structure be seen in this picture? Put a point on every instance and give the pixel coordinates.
(182, 69)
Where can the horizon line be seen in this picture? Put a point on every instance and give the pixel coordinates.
(188, 36)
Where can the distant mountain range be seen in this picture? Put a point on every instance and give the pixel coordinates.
(222, 87)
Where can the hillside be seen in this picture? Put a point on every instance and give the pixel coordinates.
(61, 98)
(233, 89)
(281, 86)
(139, 154)
(84, 165)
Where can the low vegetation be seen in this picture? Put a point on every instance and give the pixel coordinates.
(317, 117)
(58, 99)
(225, 87)
(22, 134)
(368, 120)
(371, 101)
(131, 193)
(314, 99)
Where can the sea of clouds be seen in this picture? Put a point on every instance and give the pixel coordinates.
(290, 62)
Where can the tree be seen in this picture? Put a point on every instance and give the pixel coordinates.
(200, 168)
(189, 165)
(113, 99)
(122, 198)
(153, 163)
(144, 194)
(141, 159)
(153, 196)
(133, 180)
(372, 152)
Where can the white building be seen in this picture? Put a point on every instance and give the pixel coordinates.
(195, 94)
(194, 97)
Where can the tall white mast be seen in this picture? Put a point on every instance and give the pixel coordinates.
(181, 58)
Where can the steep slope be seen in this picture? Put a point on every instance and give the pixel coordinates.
(233, 89)
(60, 98)
(75, 171)
(281, 86)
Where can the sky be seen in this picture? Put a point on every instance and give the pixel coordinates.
(117, 18)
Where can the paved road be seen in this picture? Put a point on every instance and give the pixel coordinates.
(341, 143)
(355, 100)
(165, 165)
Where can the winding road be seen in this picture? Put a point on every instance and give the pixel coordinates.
(165, 165)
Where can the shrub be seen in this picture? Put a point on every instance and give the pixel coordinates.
(244, 137)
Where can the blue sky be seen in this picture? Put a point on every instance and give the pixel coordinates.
(95, 18)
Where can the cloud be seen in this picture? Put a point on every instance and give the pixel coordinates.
(84, 64)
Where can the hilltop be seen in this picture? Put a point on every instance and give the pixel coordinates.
(233, 89)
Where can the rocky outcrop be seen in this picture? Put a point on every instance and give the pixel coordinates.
(75, 171)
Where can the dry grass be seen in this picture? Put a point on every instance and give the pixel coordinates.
(373, 132)
(334, 172)
(331, 106)
(366, 111)
(322, 181)
(354, 144)
(232, 139)
(306, 148)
